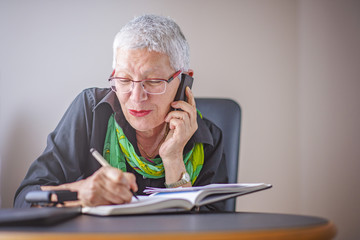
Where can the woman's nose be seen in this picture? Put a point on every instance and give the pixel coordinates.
(138, 93)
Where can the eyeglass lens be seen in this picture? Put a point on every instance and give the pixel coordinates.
(149, 86)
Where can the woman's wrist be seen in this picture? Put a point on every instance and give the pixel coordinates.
(174, 168)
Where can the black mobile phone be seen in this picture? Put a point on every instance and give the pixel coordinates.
(186, 81)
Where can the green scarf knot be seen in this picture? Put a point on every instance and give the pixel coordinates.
(118, 149)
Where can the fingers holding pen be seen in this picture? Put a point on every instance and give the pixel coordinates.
(121, 184)
(119, 177)
(131, 180)
(118, 187)
(108, 185)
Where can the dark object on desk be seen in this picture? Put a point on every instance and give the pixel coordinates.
(47, 197)
(226, 114)
(36, 216)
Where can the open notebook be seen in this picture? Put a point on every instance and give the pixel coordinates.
(177, 199)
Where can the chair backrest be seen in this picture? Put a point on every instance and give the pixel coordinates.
(226, 114)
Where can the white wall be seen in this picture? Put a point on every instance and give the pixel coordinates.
(292, 65)
(329, 112)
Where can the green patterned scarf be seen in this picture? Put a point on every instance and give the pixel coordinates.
(117, 149)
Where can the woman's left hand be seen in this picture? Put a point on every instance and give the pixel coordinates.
(182, 125)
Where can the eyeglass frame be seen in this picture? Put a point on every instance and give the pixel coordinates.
(111, 78)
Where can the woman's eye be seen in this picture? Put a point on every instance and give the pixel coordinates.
(153, 82)
(124, 81)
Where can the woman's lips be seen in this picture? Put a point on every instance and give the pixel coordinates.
(140, 113)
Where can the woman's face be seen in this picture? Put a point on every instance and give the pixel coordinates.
(145, 111)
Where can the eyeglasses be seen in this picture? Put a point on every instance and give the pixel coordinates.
(150, 85)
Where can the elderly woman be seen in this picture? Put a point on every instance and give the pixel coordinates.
(134, 125)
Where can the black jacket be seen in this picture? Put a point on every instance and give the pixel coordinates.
(67, 155)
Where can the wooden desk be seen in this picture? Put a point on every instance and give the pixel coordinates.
(180, 226)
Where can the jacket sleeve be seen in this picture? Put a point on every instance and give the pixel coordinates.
(214, 169)
(65, 153)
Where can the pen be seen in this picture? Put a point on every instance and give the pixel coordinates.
(104, 163)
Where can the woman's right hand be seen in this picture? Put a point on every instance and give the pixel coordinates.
(106, 186)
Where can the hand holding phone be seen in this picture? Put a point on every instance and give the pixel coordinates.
(182, 122)
(186, 81)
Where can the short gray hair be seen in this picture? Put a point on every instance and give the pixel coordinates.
(155, 33)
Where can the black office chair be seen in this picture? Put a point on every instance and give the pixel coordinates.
(226, 114)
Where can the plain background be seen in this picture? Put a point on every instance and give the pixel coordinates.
(293, 66)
